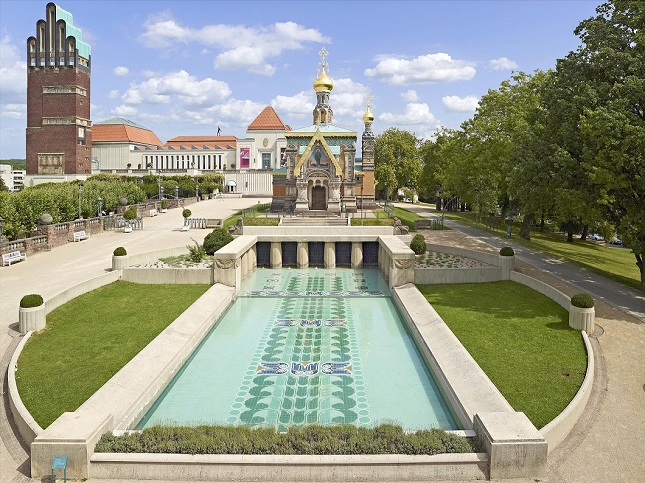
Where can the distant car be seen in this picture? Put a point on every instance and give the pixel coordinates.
(616, 241)
(596, 237)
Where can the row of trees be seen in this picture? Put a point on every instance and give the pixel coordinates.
(21, 210)
(565, 146)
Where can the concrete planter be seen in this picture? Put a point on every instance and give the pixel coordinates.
(582, 319)
(119, 262)
(507, 264)
(31, 318)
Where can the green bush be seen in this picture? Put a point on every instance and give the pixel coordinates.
(418, 244)
(186, 213)
(216, 240)
(506, 252)
(164, 204)
(582, 300)
(196, 252)
(120, 252)
(130, 213)
(308, 440)
(31, 300)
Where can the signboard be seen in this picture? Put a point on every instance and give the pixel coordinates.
(245, 155)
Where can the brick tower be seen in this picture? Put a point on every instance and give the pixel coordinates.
(59, 132)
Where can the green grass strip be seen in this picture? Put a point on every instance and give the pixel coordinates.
(88, 339)
(308, 440)
(520, 338)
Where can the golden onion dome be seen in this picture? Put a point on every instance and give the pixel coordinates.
(368, 116)
(323, 82)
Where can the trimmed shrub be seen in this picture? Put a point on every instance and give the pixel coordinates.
(582, 300)
(164, 204)
(120, 252)
(31, 300)
(186, 213)
(216, 240)
(506, 252)
(418, 244)
(130, 213)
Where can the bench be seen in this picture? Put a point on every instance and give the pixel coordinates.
(153, 212)
(81, 235)
(9, 258)
(213, 223)
(422, 224)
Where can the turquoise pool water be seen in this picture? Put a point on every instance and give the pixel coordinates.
(301, 346)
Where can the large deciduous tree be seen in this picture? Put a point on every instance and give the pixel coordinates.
(397, 160)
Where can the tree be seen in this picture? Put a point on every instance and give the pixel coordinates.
(604, 80)
(396, 160)
(3, 186)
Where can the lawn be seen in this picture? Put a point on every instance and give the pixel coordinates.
(88, 339)
(615, 263)
(520, 338)
(253, 216)
(381, 218)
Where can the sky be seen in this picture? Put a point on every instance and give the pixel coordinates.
(188, 67)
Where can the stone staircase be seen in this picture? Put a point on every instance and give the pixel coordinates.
(313, 221)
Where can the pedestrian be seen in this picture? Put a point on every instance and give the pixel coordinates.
(509, 231)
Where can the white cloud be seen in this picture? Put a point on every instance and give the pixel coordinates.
(120, 70)
(241, 47)
(502, 64)
(124, 110)
(415, 114)
(410, 96)
(176, 87)
(150, 73)
(234, 111)
(14, 111)
(348, 100)
(13, 73)
(430, 68)
(458, 104)
(299, 106)
(114, 94)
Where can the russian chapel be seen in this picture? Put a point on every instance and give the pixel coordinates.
(320, 172)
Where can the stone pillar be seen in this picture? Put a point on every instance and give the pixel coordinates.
(330, 255)
(401, 271)
(303, 254)
(276, 255)
(245, 264)
(506, 264)
(357, 254)
(228, 272)
(515, 448)
(582, 319)
(302, 200)
(253, 258)
(31, 318)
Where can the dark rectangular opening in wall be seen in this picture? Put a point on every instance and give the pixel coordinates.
(316, 254)
(289, 254)
(343, 254)
(370, 254)
(263, 250)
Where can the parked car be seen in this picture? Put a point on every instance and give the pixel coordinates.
(616, 241)
(596, 237)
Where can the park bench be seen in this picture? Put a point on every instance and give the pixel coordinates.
(9, 258)
(153, 212)
(81, 235)
(213, 222)
(422, 224)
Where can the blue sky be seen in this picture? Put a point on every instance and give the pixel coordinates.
(187, 67)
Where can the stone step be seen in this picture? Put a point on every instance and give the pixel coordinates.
(313, 221)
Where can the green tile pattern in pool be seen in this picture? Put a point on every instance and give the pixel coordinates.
(306, 346)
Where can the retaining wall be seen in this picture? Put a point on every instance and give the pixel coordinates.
(168, 275)
(553, 293)
(456, 275)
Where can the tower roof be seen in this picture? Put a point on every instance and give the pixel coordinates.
(268, 120)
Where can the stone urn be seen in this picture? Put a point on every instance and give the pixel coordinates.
(582, 319)
(119, 262)
(31, 318)
(45, 219)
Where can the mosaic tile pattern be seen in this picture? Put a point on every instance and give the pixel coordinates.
(306, 368)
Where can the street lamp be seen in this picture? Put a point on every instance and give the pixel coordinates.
(161, 192)
(80, 190)
(197, 191)
(176, 192)
(100, 212)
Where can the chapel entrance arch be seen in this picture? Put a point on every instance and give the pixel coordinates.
(318, 198)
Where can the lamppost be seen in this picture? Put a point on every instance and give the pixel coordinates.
(80, 190)
(161, 192)
(100, 211)
(176, 192)
(197, 191)
(160, 187)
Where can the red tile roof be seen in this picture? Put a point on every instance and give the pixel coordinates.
(268, 120)
(113, 133)
(189, 141)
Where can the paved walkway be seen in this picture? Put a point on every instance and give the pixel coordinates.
(606, 446)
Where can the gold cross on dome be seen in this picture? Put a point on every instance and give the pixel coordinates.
(368, 98)
(323, 52)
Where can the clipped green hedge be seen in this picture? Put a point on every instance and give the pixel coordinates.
(506, 252)
(308, 440)
(31, 300)
(582, 300)
(186, 213)
(418, 244)
(216, 240)
(120, 252)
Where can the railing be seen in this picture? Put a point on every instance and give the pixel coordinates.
(196, 222)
